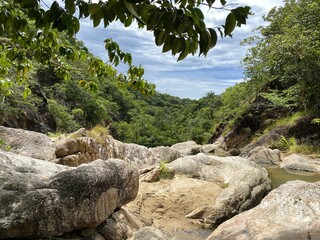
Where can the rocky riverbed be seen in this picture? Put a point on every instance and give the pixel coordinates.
(112, 190)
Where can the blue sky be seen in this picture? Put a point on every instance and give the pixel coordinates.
(194, 76)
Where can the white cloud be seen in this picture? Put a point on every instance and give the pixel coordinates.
(192, 77)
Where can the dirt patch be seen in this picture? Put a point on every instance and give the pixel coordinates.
(164, 205)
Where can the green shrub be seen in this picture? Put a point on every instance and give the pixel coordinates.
(63, 119)
(284, 144)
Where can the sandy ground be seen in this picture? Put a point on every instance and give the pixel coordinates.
(164, 205)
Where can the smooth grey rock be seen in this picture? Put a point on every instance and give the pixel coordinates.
(300, 163)
(42, 199)
(245, 184)
(165, 153)
(290, 212)
(134, 154)
(150, 233)
(28, 143)
(264, 155)
(187, 148)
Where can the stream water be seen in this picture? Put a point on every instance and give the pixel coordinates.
(279, 176)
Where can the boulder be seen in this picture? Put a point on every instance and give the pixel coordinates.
(220, 152)
(209, 148)
(264, 155)
(298, 162)
(28, 143)
(120, 225)
(187, 148)
(134, 154)
(290, 212)
(245, 184)
(165, 153)
(43, 199)
(150, 233)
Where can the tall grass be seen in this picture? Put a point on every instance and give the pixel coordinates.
(289, 120)
(100, 133)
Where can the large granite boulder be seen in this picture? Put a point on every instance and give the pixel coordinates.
(290, 212)
(264, 155)
(298, 162)
(28, 143)
(245, 184)
(43, 199)
(165, 153)
(187, 148)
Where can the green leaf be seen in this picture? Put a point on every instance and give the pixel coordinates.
(214, 37)
(223, 2)
(168, 44)
(93, 87)
(160, 38)
(70, 6)
(131, 9)
(56, 9)
(93, 8)
(83, 9)
(76, 24)
(210, 2)
(230, 24)
(205, 42)
(82, 83)
(199, 13)
(241, 14)
(96, 19)
(176, 46)
(128, 21)
(185, 52)
(26, 92)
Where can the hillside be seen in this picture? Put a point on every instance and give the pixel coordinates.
(281, 89)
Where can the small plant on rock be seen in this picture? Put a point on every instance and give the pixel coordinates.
(284, 143)
(4, 146)
(165, 172)
(100, 133)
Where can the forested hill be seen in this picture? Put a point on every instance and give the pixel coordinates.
(282, 86)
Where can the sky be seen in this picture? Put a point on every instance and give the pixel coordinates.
(194, 76)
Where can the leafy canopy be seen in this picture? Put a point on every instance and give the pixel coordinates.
(285, 60)
(29, 31)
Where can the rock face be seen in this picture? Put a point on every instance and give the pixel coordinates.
(245, 184)
(28, 143)
(137, 155)
(264, 155)
(73, 152)
(42, 199)
(290, 212)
